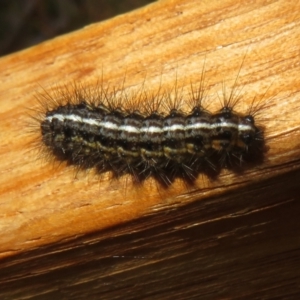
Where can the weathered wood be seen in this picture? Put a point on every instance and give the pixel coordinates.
(234, 237)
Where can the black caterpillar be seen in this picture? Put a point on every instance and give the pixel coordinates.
(145, 141)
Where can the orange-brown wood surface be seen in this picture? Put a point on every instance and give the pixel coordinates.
(75, 235)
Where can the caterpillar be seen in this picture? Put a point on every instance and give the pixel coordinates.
(149, 135)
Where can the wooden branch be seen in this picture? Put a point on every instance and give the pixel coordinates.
(66, 234)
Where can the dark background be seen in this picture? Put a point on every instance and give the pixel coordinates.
(24, 23)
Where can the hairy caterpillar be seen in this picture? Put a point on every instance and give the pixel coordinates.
(148, 134)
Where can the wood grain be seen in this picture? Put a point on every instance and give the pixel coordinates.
(66, 234)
